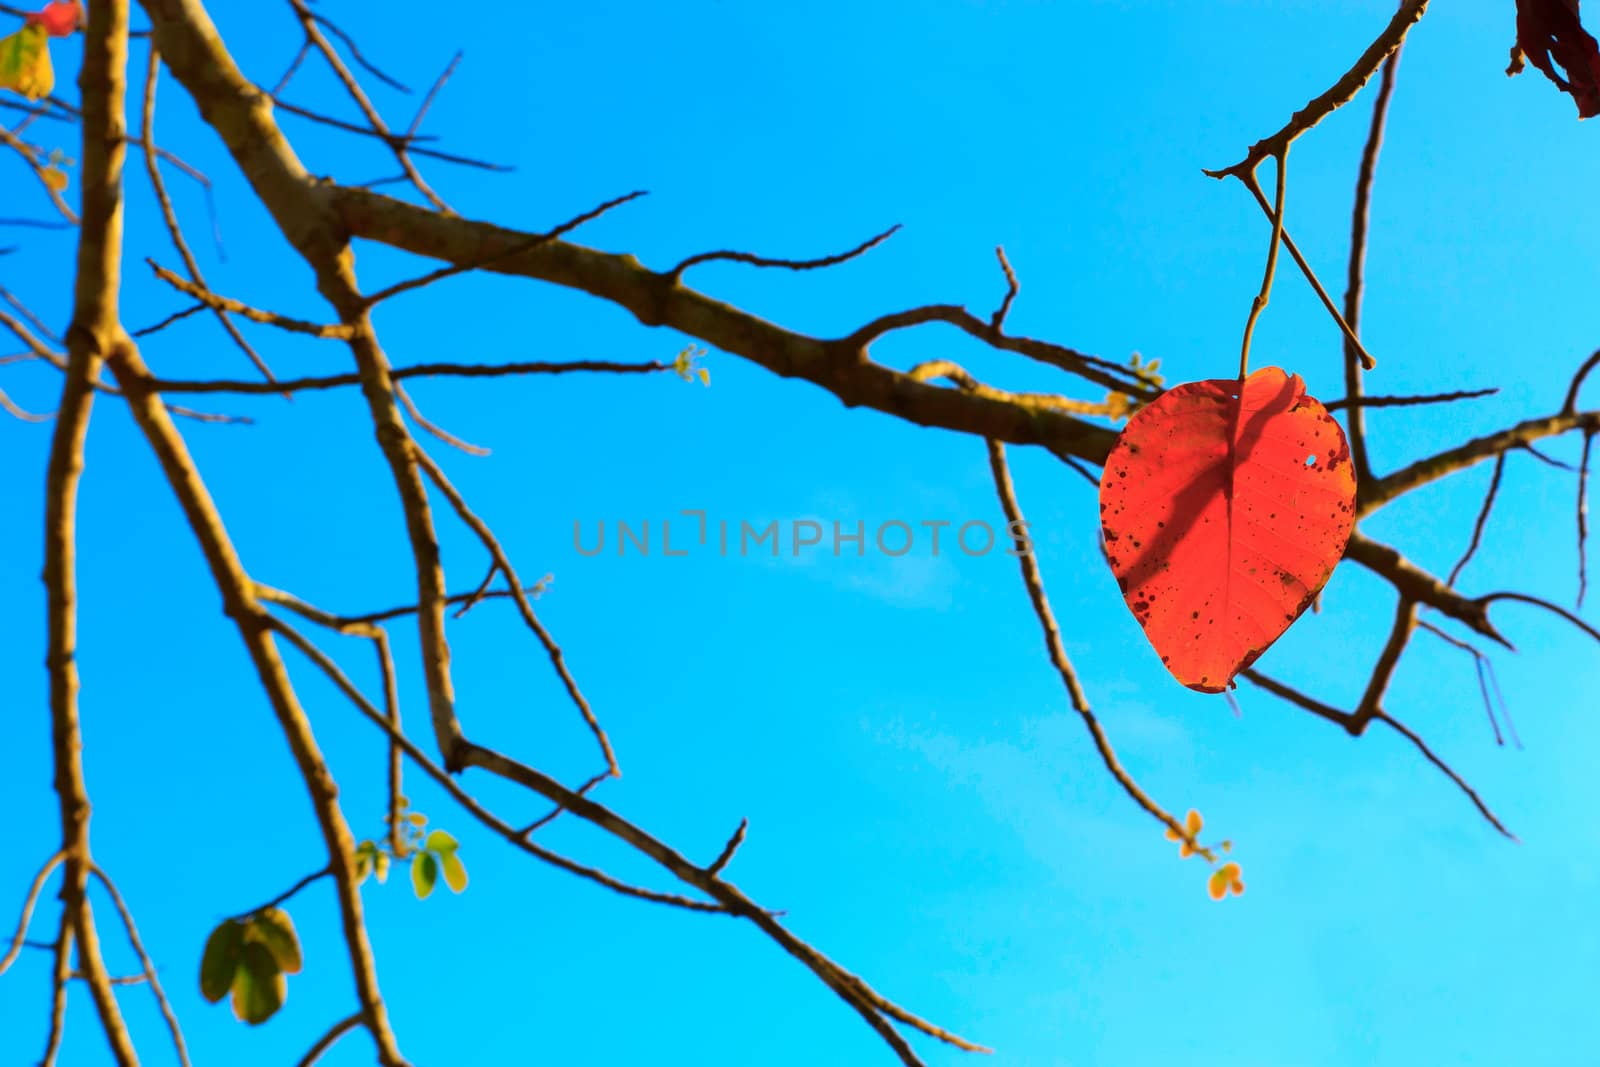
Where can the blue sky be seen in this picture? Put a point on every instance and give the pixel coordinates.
(923, 803)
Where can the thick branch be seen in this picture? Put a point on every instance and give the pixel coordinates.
(1414, 583)
(92, 336)
(1375, 494)
(837, 366)
(241, 114)
(241, 604)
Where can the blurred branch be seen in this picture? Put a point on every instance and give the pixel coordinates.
(327, 1040)
(28, 903)
(148, 967)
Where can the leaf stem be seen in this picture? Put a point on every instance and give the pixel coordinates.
(1259, 304)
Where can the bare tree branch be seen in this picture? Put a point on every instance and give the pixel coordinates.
(28, 903)
(149, 967)
(1359, 227)
(1336, 95)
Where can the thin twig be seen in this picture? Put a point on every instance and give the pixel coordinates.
(427, 101)
(1570, 404)
(1336, 95)
(1548, 461)
(314, 876)
(477, 594)
(478, 811)
(310, 20)
(555, 812)
(327, 1040)
(1405, 620)
(944, 368)
(534, 591)
(1032, 578)
(524, 607)
(1583, 518)
(386, 670)
(750, 259)
(423, 370)
(1101, 371)
(1540, 602)
(175, 229)
(11, 408)
(1311, 276)
(28, 904)
(149, 967)
(1449, 771)
(1297, 698)
(294, 66)
(335, 331)
(27, 313)
(1483, 666)
(355, 53)
(1322, 710)
(391, 139)
(176, 316)
(1359, 228)
(30, 156)
(1483, 517)
(1358, 401)
(1013, 287)
(433, 428)
(728, 850)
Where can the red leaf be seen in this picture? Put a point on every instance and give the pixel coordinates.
(1223, 518)
(63, 18)
(1549, 30)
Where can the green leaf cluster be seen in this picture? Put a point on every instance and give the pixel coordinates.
(432, 853)
(687, 367)
(440, 854)
(249, 959)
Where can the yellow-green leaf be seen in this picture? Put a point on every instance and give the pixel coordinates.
(258, 986)
(455, 875)
(441, 842)
(274, 929)
(418, 819)
(380, 865)
(1224, 880)
(424, 873)
(220, 960)
(25, 62)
